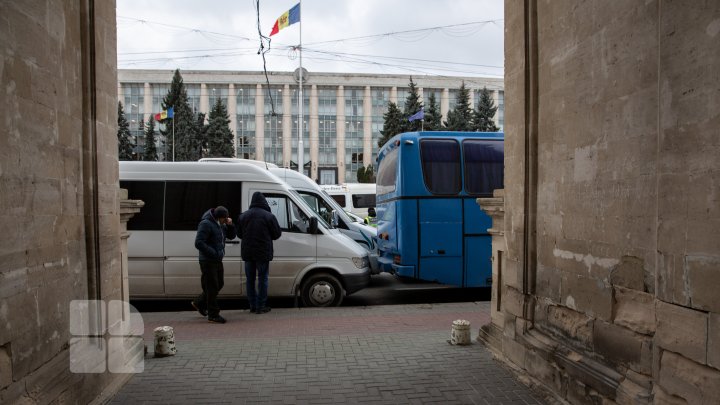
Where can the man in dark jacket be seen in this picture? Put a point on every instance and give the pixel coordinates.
(258, 228)
(214, 228)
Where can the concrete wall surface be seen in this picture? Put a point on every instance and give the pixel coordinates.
(612, 200)
(59, 219)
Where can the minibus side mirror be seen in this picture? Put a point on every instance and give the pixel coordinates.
(313, 229)
(335, 219)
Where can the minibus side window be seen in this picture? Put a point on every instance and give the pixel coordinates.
(318, 205)
(340, 198)
(150, 217)
(290, 217)
(187, 201)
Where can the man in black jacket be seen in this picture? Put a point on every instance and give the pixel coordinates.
(258, 228)
(214, 228)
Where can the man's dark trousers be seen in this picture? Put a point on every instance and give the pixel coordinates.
(212, 280)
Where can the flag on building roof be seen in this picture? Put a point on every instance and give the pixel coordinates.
(288, 18)
(417, 116)
(165, 114)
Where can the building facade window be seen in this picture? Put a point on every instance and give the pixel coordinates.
(380, 100)
(327, 133)
(245, 119)
(354, 117)
(193, 93)
(134, 107)
(273, 127)
(215, 92)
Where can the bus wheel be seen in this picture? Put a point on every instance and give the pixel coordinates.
(322, 290)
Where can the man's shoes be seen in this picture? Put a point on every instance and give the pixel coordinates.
(253, 310)
(216, 319)
(263, 310)
(202, 312)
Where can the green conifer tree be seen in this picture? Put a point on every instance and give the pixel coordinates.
(177, 99)
(412, 106)
(460, 118)
(125, 144)
(150, 153)
(187, 145)
(393, 124)
(484, 113)
(433, 118)
(219, 134)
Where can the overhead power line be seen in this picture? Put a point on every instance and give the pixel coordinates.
(388, 34)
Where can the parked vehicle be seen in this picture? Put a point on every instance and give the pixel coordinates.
(429, 225)
(353, 197)
(312, 259)
(321, 202)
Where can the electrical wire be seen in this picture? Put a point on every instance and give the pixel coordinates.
(262, 52)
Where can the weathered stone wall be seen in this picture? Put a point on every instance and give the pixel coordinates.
(612, 199)
(59, 215)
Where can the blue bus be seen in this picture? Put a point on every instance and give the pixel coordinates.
(429, 224)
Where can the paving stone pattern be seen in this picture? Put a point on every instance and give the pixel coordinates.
(375, 355)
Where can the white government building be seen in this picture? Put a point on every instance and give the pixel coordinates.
(343, 113)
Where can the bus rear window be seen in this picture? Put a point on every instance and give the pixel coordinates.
(339, 198)
(484, 166)
(441, 165)
(387, 173)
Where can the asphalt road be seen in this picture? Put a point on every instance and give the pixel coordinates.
(384, 289)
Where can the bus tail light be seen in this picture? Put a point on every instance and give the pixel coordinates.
(397, 259)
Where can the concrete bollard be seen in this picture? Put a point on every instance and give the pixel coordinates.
(460, 334)
(164, 341)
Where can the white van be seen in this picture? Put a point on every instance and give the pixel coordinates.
(321, 202)
(312, 259)
(353, 197)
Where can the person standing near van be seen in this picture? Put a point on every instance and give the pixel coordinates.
(371, 218)
(258, 228)
(215, 226)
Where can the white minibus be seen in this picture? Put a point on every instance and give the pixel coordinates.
(321, 202)
(311, 259)
(353, 197)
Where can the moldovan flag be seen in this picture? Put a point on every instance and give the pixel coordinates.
(289, 17)
(164, 115)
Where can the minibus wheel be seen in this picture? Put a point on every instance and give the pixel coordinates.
(321, 290)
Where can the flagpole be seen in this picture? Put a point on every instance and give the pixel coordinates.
(301, 148)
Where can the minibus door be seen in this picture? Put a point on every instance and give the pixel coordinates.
(295, 250)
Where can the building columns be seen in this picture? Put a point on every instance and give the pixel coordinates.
(340, 130)
(259, 123)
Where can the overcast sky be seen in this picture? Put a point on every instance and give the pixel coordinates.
(223, 35)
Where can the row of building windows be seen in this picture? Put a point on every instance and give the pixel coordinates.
(133, 97)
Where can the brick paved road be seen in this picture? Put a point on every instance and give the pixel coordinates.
(378, 355)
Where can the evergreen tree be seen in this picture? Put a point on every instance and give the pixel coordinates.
(412, 106)
(433, 118)
(125, 144)
(188, 146)
(201, 135)
(219, 135)
(366, 175)
(461, 117)
(393, 124)
(483, 115)
(150, 153)
(177, 99)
